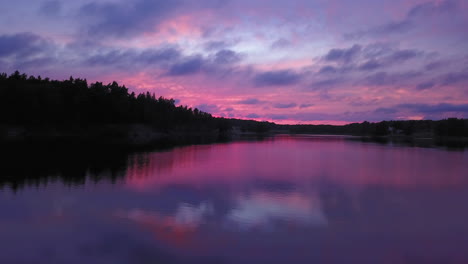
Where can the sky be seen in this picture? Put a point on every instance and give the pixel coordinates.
(286, 61)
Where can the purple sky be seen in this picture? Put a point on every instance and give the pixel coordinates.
(287, 61)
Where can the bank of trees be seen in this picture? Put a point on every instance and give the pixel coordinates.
(33, 101)
(451, 127)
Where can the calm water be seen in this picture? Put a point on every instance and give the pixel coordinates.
(282, 200)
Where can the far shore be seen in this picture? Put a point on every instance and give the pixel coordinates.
(142, 136)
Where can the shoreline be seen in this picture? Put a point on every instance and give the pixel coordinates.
(146, 137)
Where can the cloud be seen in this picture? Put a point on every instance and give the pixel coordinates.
(454, 78)
(302, 106)
(388, 58)
(226, 57)
(400, 56)
(208, 108)
(252, 116)
(327, 70)
(189, 66)
(50, 8)
(370, 65)
(277, 78)
(169, 59)
(250, 101)
(433, 111)
(327, 83)
(377, 49)
(435, 108)
(368, 58)
(433, 8)
(391, 28)
(123, 58)
(281, 44)
(435, 65)
(123, 19)
(429, 111)
(385, 78)
(425, 85)
(417, 15)
(343, 55)
(386, 110)
(284, 105)
(215, 45)
(22, 45)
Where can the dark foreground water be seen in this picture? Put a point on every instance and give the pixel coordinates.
(282, 200)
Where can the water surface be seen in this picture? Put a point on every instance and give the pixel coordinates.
(303, 199)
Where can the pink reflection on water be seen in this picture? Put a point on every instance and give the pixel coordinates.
(298, 160)
(177, 230)
(286, 193)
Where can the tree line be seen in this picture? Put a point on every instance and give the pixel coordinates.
(34, 101)
(451, 127)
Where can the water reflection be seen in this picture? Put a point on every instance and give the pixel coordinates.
(286, 199)
(262, 210)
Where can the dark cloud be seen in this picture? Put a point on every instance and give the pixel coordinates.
(277, 78)
(209, 108)
(392, 28)
(226, 57)
(343, 55)
(41, 62)
(252, 116)
(425, 85)
(189, 66)
(111, 57)
(386, 110)
(284, 105)
(370, 65)
(314, 116)
(250, 101)
(327, 83)
(454, 78)
(384, 78)
(403, 55)
(22, 45)
(278, 117)
(127, 18)
(434, 111)
(136, 58)
(169, 59)
(302, 106)
(377, 49)
(50, 8)
(280, 44)
(151, 56)
(436, 108)
(327, 70)
(368, 58)
(418, 14)
(433, 8)
(391, 57)
(434, 65)
(215, 45)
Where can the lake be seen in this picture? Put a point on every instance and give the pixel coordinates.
(285, 199)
